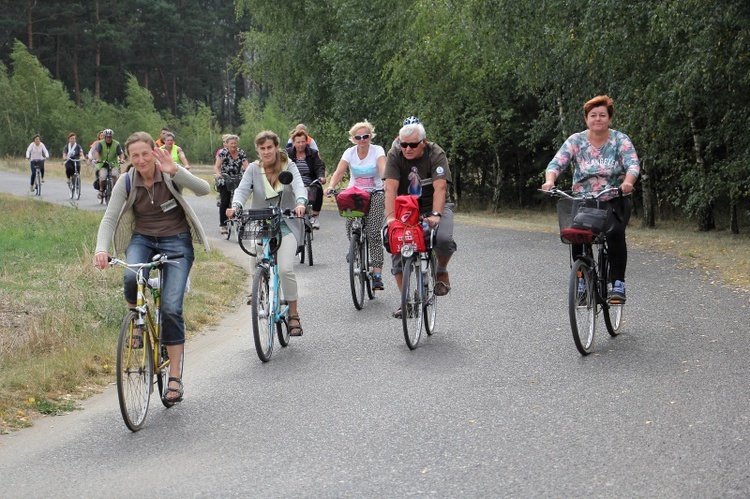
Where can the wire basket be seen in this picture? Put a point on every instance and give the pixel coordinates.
(258, 225)
(580, 222)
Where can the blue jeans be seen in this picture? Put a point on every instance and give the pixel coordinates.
(142, 249)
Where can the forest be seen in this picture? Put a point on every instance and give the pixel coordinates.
(499, 84)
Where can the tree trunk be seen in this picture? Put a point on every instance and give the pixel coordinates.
(498, 183)
(706, 212)
(649, 212)
(97, 56)
(30, 23)
(76, 79)
(174, 82)
(734, 225)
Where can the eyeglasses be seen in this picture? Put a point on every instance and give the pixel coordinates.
(360, 137)
(413, 145)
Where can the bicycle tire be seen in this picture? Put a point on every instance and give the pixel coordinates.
(411, 302)
(135, 371)
(263, 327)
(282, 331)
(367, 268)
(356, 277)
(612, 311)
(77, 186)
(308, 246)
(71, 188)
(582, 307)
(301, 249)
(430, 303)
(229, 226)
(38, 183)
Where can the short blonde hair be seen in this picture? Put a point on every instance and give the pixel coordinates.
(357, 126)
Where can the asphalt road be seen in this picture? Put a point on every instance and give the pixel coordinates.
(498, 403)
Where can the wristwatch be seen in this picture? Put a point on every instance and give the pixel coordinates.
(436, 214)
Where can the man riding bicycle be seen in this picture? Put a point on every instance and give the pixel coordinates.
(420, 168)
(108, 154)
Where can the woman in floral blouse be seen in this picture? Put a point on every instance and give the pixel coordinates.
(602, 158)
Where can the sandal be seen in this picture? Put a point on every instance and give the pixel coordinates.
(443, 285)
(295, 330)
(170, 390)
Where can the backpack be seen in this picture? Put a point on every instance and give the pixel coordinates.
(406, 229)
(353, 202)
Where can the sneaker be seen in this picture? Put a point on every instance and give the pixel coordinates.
(396, 313)
(377, 282)
(582, 298)
(223, 230)
(315, 223)
(31, 189)
(617, 294)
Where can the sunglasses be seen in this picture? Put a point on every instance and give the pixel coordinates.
(413, 145)
(360, 137)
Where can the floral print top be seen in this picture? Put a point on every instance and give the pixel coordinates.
(597, 168)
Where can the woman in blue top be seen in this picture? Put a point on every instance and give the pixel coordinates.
(366, 164)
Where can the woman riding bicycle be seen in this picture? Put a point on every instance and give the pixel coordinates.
(602, 158)
(148, 215)
(261, 179)
(366, 164)
(72, 155)
(36, 153)
(311, 167)
(230, 161)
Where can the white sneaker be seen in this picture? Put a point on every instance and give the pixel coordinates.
(315, 223)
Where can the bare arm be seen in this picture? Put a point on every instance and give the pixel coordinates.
(337, 175)
(391, 190)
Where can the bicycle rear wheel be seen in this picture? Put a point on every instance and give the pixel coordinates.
(162, 377)
(229, 226)
(412, 305)
(282, 331)
(613, 318)
(263, 326)
(356, 272)
(582, 306)
(135, 371)
(430, 299)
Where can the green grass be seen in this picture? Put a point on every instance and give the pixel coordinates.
(60, 316)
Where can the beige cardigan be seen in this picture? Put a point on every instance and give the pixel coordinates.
(118, 221)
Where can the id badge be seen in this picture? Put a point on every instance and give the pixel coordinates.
(169, 205)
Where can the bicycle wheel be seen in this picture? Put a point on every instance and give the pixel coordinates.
(71, 187)
(301, 249)
(367, 268)
(108, 190)
(38, 183)
(162, 377)
(356, 272)
(77, 186)
(135, 370)
(612, 312)
(411, 302)
(308, 246)
(282, 331)
(582, 306)
(229, 227)
(263, 327)
(430, 299)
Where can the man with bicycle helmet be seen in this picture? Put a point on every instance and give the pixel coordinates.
(108, 154)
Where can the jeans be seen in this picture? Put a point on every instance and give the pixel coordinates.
(142, 249)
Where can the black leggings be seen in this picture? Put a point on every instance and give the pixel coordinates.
(225, 199)
(618, 247)
(315, 197)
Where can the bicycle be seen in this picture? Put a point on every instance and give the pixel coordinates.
(37, 176)
(140, 360)
(231, 181)
(308, 233)
(109, 183)
(261, 228)
(360, 264)
(74, 185)
(418, 298)
(589, 275)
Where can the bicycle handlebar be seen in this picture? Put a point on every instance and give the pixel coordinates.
(555, 192)
(159, 260)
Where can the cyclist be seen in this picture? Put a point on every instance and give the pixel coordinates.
(411, 120)
(602, 158)
(310, 141)
(149, 215)
(310, 167)
(178, 155)
(162, 137)
(231, 161)
(420, 168)
(366, 164)
(36, 153)
(72, 154)
(107, 151)
(261, 179)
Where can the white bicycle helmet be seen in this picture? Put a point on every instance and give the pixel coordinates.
(411, 120)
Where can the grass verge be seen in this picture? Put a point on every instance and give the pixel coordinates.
(60, 316)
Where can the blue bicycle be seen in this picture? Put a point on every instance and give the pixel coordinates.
(260, 236)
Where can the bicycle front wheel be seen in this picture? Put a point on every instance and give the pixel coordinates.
(356, 272)
(135, 371)
(77, 186)
(308, 246)
(582, 306)
(412, 304)
(263, 324)
(229, 226)
(38, 183)
(430, 299)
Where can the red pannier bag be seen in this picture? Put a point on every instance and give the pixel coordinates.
(353, 202)
(406, 229)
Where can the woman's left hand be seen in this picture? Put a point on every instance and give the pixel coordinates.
(626, 187)
(164, 161)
